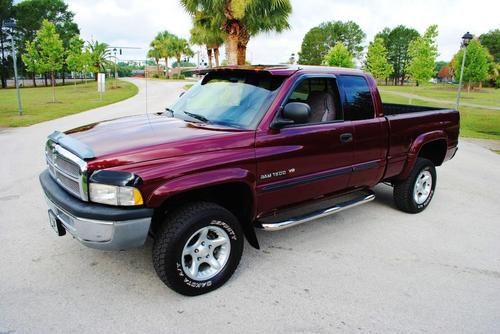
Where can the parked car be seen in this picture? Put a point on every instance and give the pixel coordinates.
(245, 148)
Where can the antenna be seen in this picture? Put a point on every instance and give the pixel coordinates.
(146, 90)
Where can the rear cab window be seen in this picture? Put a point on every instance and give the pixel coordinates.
(357, 102)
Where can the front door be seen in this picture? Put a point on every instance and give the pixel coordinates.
(302, 162)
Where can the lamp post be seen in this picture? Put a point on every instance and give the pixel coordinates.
(116, 72)
(11, 24)
(465, 41)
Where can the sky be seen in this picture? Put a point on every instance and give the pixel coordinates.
(135, 22)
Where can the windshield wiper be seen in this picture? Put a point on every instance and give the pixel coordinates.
(198, 117)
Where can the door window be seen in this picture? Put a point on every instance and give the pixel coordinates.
(357, 100)
(321, 94)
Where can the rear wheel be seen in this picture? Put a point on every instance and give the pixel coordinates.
(415, 193)
(198, 248)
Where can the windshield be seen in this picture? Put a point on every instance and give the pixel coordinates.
(234, 99)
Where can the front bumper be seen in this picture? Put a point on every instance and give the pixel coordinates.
(95, 225)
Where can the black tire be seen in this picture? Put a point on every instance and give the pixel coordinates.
(404, 191)
(178, 229)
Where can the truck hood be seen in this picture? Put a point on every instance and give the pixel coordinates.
(141, 138)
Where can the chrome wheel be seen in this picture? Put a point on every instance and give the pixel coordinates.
(423, 187)
(206, 253)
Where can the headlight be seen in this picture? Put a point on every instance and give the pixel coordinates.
(114, 195)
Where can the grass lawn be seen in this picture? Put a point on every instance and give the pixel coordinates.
(474, 122)
(38, 106)
(485, 96)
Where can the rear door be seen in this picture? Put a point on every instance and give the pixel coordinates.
(370, 133)
(301, 162)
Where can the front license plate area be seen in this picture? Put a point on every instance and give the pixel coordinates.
(56, 224)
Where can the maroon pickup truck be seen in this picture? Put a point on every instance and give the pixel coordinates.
(245, 148)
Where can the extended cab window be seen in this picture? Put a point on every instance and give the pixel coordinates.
(233, 98)
(321, 94)
(356, 98)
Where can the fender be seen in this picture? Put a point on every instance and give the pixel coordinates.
(205, 180)
(415, 147)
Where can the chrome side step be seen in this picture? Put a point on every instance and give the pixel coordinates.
(367, 197)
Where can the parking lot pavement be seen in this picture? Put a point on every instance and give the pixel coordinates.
(368, 269)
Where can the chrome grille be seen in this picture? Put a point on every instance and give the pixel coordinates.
(67, 169)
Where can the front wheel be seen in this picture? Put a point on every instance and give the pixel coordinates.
(415, 193)
(198, 249)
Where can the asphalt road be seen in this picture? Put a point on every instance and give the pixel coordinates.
(369, 269)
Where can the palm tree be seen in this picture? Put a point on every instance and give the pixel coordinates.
(163, 42)
(204, 34)
(179, 47)
(241, 19)
(155, 53)
(99, 53)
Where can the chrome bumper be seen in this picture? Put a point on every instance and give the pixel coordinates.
(101, 234)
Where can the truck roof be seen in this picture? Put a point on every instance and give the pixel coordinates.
(283, 70)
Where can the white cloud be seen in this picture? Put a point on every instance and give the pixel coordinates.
(136, 22)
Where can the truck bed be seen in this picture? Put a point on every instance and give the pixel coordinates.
(396, 109)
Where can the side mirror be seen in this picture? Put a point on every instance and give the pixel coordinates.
(293, 113)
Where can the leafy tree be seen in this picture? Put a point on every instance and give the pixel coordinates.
(339, 56)
(75, 57)
(477, 62)
(319, 40)
(31, 13)
(203, 33)
(46, 52)
(397, 42)
(445, 73)
(376, 60)
(98, 54)
(491, 40)
(438, 65)
(5, 14)
(423, 52)
(242, 19)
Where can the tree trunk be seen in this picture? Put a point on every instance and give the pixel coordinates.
(45, 77)
(243, 39)
(480, 85)
(53, 87)
(468, 87)
(242, 54)
(178, 62)
(209, 55)
(34, 79)
(166, 68)
(62, 72)
(232, 49)
(216, 56)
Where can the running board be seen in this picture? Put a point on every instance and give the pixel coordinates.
(365, 198)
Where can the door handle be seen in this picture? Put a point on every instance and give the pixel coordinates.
(346, 138)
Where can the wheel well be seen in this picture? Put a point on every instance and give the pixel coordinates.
(235, 197)
(435, 151)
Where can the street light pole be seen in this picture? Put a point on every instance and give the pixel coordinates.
(465, 41)
(11, 24)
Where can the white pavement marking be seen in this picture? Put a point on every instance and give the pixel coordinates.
(368, 269)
